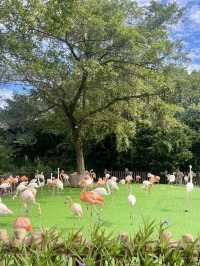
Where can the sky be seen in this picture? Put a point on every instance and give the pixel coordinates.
(188, 29)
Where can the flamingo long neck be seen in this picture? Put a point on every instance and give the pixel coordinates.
(190, 174)
(70, 202)
(108, 189)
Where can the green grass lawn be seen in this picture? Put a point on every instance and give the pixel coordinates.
(163, 203)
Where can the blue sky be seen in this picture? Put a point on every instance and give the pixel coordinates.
(188, 29)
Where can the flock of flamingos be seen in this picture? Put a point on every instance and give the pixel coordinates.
(92, 193)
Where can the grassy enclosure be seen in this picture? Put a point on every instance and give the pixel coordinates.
(164, 203)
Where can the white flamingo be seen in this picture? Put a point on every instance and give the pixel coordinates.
(28, 197)
(122, 181)
(112, 185)
(146, 184)
(32, 185)
(55, 184)
(4, 209)
(171, 178)
(107, 176)
(131, 201)
(59, 184)
(21, 187)
(113, 178)
(101, 191)
(40, 179)
(5, 187)
(189, 185)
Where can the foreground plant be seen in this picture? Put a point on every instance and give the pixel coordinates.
(51, 247)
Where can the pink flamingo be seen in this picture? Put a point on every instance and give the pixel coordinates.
(75, 207)
(23, 223)
(129, 179)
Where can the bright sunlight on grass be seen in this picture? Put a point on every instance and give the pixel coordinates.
(164, 203)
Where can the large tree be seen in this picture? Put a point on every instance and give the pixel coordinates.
(88, 60)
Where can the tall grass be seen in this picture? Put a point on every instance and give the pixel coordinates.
(50, 247)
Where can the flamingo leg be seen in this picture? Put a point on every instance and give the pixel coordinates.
(54, 191)
(129, 188)
(39, 208)
(26, 209)
(91, 211)
(68, 182)
(99, 213)
(131, 216)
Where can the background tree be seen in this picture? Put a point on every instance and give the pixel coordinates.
(88, 60)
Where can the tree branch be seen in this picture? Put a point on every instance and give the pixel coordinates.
(59, 39)
(47, 109)
(115, 100)
(71, 49)
(79, 92)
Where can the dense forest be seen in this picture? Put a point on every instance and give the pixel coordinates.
(103, 86)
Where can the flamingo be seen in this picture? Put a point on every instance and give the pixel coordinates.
(75, 207)
(189, 185)
(28, 197)
(58, 184)
(4, 209)
(147, 185)
(155, 179)
(23, 178)
(55, 183)
(107, 176)
(32, 185)
(129, 179)
(5, 186)
(64, 177)
(23, 223)
(102, 191)
(91, 198)
(186, 178)
(101, 182)
(12, 182)
(92, 174)
(86, 181)
(21, 187)
(131, 201)
(113, 178)
(122, 181)
(40, 179)
(112, 184)
(138, 178)
(171, 178)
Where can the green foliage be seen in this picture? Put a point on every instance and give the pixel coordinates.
(91, 60)
(96, 69)
(51, 248)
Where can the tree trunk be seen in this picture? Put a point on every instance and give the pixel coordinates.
(80, 163)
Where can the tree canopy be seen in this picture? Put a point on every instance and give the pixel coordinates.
(96, 68)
